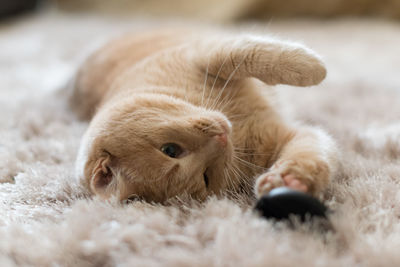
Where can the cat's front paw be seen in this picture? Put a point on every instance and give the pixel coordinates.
(309, 176)
(270, 180)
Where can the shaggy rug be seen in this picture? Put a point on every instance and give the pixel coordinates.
(46, 219)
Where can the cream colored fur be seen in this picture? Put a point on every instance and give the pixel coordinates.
(47, 219)
(210, 93)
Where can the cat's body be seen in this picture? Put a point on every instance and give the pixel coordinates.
(179, 114)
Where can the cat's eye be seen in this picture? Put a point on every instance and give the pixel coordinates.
(172, 150)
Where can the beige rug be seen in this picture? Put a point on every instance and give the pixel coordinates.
(47, 220)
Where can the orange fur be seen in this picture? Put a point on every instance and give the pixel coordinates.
(210, 95)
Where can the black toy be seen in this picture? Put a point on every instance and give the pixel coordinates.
(282, 203)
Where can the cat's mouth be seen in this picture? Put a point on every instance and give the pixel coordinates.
(205, 177)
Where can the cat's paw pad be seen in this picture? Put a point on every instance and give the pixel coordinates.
(293, 182)
(268, 181)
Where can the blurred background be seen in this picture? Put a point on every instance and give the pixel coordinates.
(212, 10)
(42, 42)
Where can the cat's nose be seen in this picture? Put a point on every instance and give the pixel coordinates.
(222, 138)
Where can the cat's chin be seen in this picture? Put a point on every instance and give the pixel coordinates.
(214, 175)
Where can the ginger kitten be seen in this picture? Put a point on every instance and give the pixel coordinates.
(177, 113)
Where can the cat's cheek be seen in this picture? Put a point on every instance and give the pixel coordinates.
(82, 158)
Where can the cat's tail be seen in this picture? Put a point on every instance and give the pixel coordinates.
(268, 59)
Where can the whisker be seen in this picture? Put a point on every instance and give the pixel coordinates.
(205, 82)
(244, 177)
(253, 154)
(227, 82)
(236, 175)
(243, 149)
(235, 170)
(228, 180)
(249, 164)
(215, 80)
(226, 102)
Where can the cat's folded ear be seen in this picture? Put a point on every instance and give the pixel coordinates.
(103, 179)
(270, 60)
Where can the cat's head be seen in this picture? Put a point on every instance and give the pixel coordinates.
(155, 147)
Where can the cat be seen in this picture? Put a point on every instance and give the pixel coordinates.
(178, 112)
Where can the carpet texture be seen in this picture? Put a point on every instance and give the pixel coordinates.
(46, 219)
